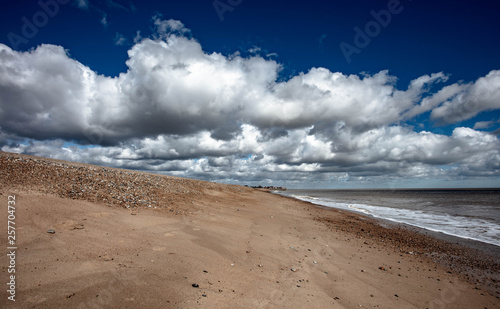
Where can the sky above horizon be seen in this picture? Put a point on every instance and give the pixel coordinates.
(350, 94)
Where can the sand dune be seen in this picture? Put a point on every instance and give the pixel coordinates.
(127, 239)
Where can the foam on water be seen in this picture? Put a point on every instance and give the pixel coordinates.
(460, 226)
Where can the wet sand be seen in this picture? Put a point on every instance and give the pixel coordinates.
(240, 247)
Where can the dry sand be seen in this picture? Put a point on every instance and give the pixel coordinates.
(244, 248)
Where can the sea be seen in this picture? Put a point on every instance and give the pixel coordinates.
(472, 214)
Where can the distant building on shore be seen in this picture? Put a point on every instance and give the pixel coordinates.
(269, 188)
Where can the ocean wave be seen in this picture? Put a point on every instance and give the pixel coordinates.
(459, 226)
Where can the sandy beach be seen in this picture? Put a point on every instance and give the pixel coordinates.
(125, 239)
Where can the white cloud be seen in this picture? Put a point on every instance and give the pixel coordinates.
(103, 7)
(483, 125)
(137, 37)
(181, 110)
(471, 99)
(83, 4)
(164, 28)
(116, 5)
(43, 93)
(120, 39)
(254, 50)
(176, 88)
(104, 19)
(299, 156)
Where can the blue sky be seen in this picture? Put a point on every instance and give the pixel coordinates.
(271, 94)
(456, 37)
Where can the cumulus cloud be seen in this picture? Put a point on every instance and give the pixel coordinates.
(44, 94)
(181, 110)
(298, 156)
(469, 100)
(164, 28)
(483, 124)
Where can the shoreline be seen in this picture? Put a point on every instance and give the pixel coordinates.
(467, 242)
(243, 248)
(473, 259)
(486, 247)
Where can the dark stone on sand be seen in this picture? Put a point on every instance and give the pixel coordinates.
(194, 285)
(51, 231)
